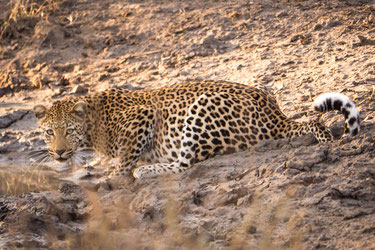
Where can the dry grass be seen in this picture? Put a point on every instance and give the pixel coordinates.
(110, 227)
(19, 183)
(97, 234)
(117, 227)
(175, 235)
(270, 226)
(20, 12)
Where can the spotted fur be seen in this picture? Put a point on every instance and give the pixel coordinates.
(337, 101)
(171, 128)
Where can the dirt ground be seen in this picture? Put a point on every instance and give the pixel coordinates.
(285, 194)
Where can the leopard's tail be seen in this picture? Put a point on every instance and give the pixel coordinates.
(336, 101)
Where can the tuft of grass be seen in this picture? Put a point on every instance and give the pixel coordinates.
(266, 226)
(19, 183)
(175, 235)
(109, 227)
(20, 11)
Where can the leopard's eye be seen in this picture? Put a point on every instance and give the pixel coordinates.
(69, 131)
(49, 132)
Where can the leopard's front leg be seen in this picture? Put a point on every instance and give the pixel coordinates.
(135, 132)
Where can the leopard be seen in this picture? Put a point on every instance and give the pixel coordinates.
(171, 128)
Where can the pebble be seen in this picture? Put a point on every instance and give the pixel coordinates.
(102, 77)
(78, 89)
(282, 14)
(318, 27)
(304, 98)
(333, 23)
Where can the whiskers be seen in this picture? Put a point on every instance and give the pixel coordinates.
(81, 157)
(78, 158)
(39, 157)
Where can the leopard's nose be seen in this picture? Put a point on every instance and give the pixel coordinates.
(60, 152)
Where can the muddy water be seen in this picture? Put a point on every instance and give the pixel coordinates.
(20, 173)
(16, 179)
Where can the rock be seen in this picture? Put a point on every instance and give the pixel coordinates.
(252, 229)
(4, 91)
(363, 41)
(333, 23)
(102, 77)
(304, 98)
(14, 147)
(318, 26)
(210, 42)
(32, 218)
(239, 67)
(234, 14)
(79, 90)
(302, 38)
(39, 82)
(48, 34)
(295, 38)
(267, 79)
(9, 119)
(68, 188)
(282, 14)
(63, 81)
(105, 185)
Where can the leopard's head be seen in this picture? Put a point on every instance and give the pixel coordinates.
(63, 127)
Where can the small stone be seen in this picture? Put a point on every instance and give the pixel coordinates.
(358, 83)
(337, 59)
(67, 188)
(234, 14)
(304, 98)
(292, 172)
(252, 230)
(78, 89)
(36, 82)
(105, 185)
(90, 186)
(333, 23)
(323, 237)
(365, 41)
(102, 77)
(267, 79)
(282, 14)
(295, 38)
(4, 91)
(318, 27)
(112, 69)
(64, 81)
(288, 63)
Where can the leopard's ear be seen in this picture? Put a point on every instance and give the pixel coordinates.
(40, 112)
(79, 110)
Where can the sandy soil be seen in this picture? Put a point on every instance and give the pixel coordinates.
(278, 195)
